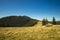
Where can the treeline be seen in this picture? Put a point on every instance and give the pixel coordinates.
(54, 22)
(17, 21)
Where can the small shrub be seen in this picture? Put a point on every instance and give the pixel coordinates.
(49, 25)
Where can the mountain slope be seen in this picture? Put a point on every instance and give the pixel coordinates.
(17, 21)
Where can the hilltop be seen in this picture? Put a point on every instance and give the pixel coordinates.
(17, 21)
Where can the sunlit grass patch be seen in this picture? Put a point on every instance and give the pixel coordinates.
(31, 33)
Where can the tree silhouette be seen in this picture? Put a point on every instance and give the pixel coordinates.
(46, 21)
(43, 22)
(54, 22)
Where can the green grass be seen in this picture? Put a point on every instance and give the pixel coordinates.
(38, 32)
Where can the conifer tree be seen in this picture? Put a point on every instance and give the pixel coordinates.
(46, 21)
(54, 22)
(43, 22)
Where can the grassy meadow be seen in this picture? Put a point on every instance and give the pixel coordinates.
(37, 32)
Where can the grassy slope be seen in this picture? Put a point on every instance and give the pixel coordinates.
(30, 33)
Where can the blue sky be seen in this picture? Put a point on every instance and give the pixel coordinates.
(37, 9)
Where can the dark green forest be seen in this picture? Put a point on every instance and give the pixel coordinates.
(17, 21)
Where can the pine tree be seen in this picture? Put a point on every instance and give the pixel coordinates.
(43, 22)
(54, 22)
(46, 21)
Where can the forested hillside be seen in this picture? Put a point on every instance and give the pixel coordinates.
(17, 21)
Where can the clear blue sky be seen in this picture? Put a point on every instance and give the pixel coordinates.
(37, 9)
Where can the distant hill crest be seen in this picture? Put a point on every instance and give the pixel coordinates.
(20, 21)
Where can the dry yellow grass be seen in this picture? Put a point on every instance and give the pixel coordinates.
(37, 32)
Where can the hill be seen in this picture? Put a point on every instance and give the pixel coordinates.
(58, 22)
(17, 21)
